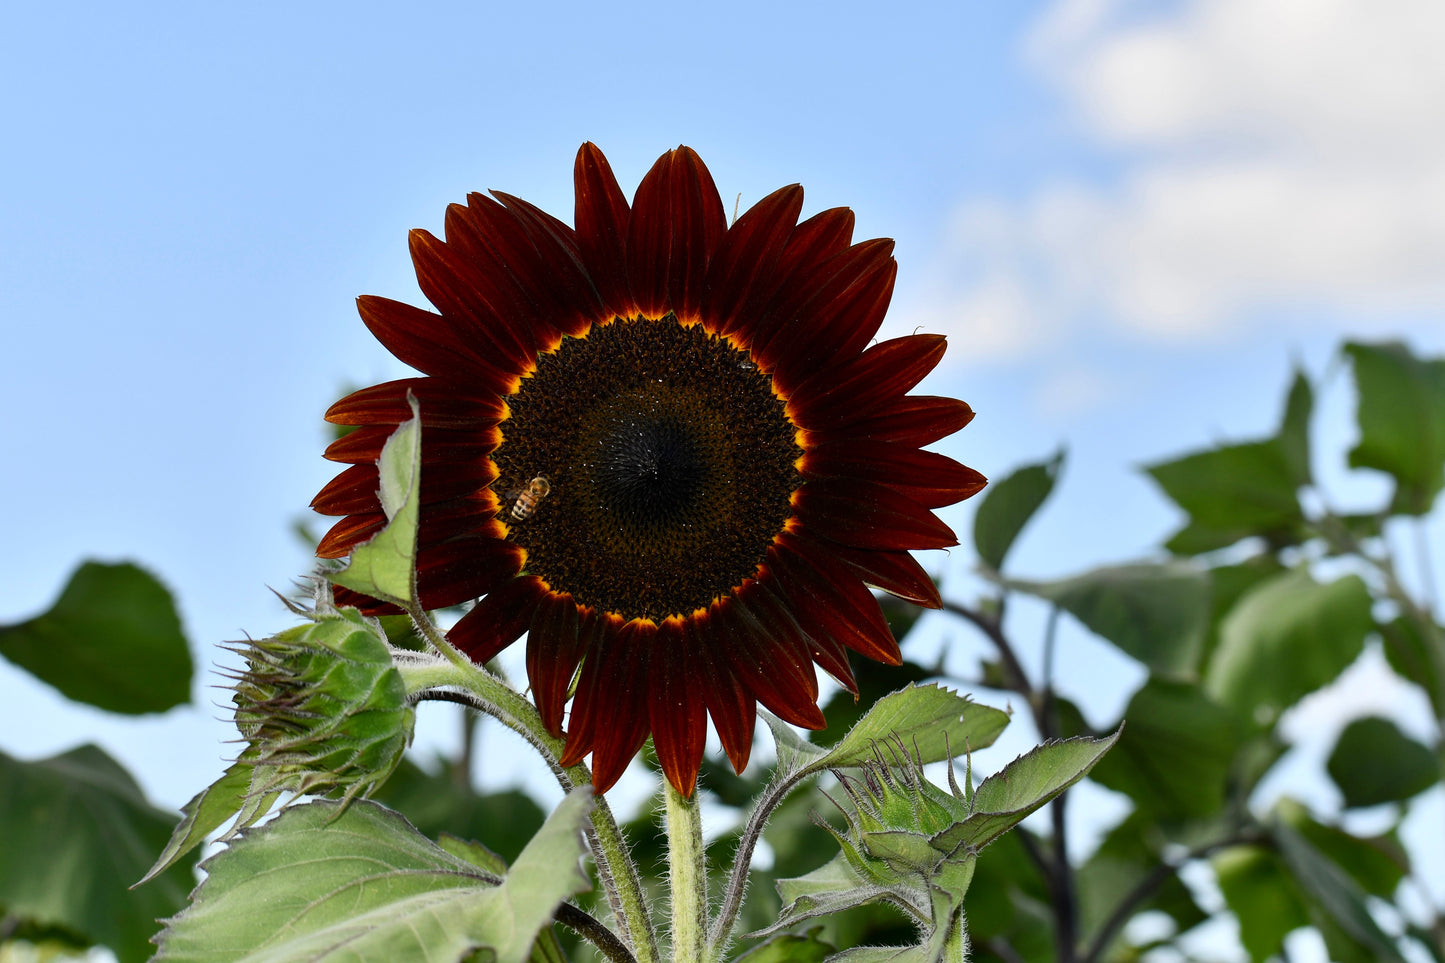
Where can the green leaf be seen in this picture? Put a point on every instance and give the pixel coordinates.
(875, 680)
(446, 803)
(1174, 754)
(791, 948)
(1376, 863)
(1335, 893)
(1286, 638)
(113, 640)
(318, 883)
(1006, 798)
(1155, 612)
(204, 814)
(1126, 857)
(1294, 429)
(1409, 650)
(75, 832)
(1007, 507)
(1374, 762)
(1233, 492)
(1259, 892)
(933, 722)
(385, 566)
(1402, 421)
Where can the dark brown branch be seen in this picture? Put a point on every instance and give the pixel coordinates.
(594, 932)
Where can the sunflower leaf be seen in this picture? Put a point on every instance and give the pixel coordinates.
(385, 566)
(1374, 762)
(1008, 505)
(206, 811)
(933, 722)
(1402, 421)
(112, 640)
(75, 832)
(318, 884)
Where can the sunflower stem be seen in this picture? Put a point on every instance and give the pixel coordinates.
(687, 876)
(615, 866)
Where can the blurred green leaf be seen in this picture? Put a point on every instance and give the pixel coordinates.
(1340, 898)
(790, 948)
(1230, 583)
(319, 884)
(384, 567)
(1376, 863)
(1007, 507)
(1408, 650)
(1287, 637)
(75, 833)
(1259, 892)
(1156, 612)
(446, 803)
(1374, 762)
(1174, 754)
(112, 640)
(1233, 492)
(1294, 429)
(1402, 420)
(1125, 858)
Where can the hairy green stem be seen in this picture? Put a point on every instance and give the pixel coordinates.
(489, 694)
(687, 877)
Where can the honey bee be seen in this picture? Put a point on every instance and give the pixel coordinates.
(529, 498)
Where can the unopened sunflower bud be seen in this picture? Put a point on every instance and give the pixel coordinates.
(899, 820)
(322, 708)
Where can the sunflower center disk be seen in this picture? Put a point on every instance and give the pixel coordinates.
(670, 462)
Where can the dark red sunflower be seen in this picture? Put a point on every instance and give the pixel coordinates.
(664, 449)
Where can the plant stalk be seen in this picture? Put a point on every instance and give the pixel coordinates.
(687, 877)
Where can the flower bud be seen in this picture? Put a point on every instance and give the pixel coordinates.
(322, 707)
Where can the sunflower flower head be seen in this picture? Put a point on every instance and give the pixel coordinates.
(665, 449)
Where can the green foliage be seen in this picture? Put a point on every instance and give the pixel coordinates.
(1374, 762)
(320, 883)
(1155, 612)
(75, 833)
(1007, 507)
(1402, 421)
(1174, 754)
(385, 566)
(1286, 638)
(112, 640)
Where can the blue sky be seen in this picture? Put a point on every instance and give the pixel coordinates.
(1130, 219)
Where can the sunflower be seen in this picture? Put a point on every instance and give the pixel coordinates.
(664, 449)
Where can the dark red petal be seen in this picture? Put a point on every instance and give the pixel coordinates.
(819, 644)
(554, 647)
(427, 343)
(897, 573)
(931, 479)
(732, 707)
(880, 375)
(818, 238)
(677, 223)
(677, 713)
(779, 674)
(744, 269)
(497, 620)
(365, 444)
(868, 515)
(833, 598)
(463, 569)
(831, 312)
(350, 532)
(915, 420)
(442, 405)
(560, 259)
(369, 606)
(459, 287)
(602, 218)
(349, 493)
(614, 681)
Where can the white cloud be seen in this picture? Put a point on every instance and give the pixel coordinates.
(1276, 154)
